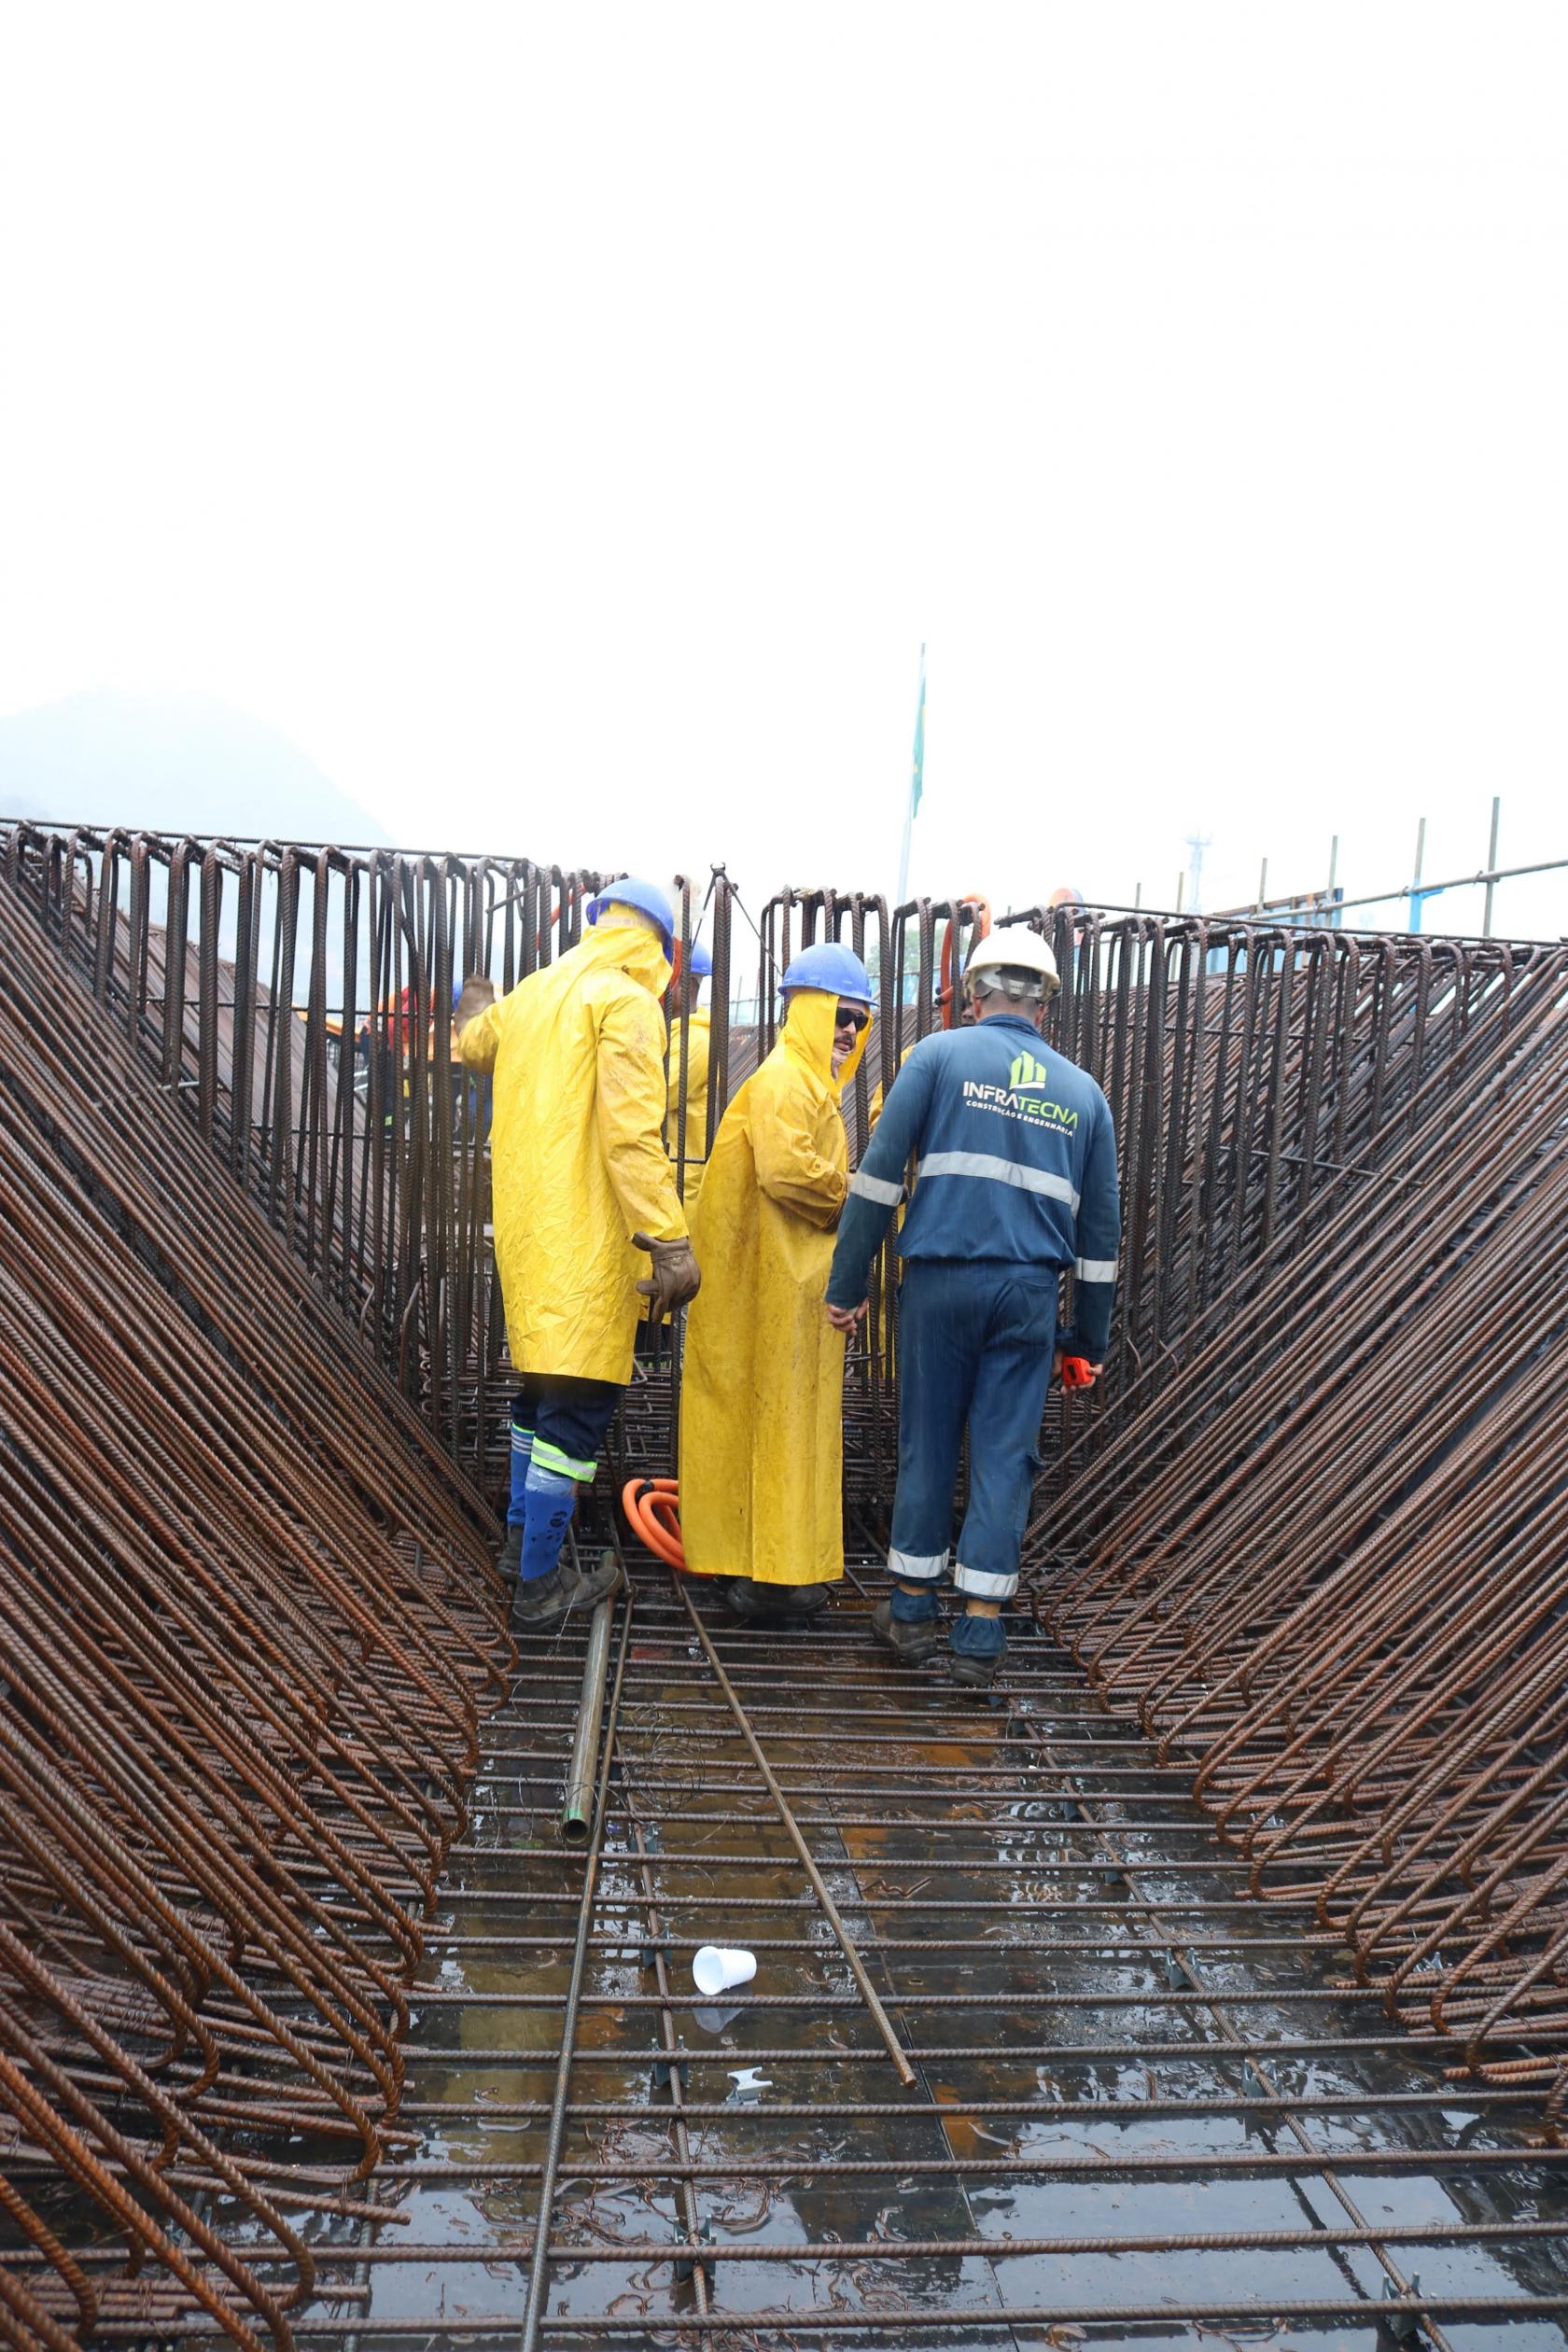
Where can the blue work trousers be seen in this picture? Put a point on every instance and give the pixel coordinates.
(977, 1342)
(557, 1428)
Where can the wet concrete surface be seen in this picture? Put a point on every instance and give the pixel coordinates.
(1056, 1934)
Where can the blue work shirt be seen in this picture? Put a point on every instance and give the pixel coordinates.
(1015, 1159)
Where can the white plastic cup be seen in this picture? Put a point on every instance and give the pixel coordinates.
(717, 1968)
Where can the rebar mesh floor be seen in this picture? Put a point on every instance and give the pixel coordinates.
(1147, 2109)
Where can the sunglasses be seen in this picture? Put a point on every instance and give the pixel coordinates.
(850, 1016)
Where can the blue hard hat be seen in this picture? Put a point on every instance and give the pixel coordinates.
(836, 971)
(646, 897)
(702, 963)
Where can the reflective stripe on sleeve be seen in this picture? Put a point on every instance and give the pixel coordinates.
(1000, 1171)
(1095, 1269)
(983, 1588)
(918, 1567)
(876, 1188)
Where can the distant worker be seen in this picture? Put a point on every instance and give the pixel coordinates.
(762, 1409)
(582, 1186)
(690, 1038)
(687, 1059)
(1015, 1167)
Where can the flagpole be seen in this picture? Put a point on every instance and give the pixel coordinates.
(916, 778)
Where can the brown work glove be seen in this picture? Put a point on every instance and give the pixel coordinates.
(676, 1279)
(478, 994)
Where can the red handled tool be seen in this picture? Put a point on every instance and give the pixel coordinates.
(1076, 1372)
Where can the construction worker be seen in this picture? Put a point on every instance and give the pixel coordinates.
(690, 1038)
(581, 1186)
(687, 1058)
(1016, 1184)
(762, 1408)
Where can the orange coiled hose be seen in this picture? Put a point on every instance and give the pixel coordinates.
(652, 1508)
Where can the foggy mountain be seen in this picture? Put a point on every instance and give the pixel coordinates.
(173, 764)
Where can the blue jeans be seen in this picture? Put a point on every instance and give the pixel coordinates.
(977, 1341)
(557, 1428)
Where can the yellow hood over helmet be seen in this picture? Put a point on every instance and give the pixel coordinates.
(808, 1035)
(624, 940)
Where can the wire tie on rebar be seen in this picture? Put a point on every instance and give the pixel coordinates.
(1403, 2326)
(688, 2263)
(666, 2063)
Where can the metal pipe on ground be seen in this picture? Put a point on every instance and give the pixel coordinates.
(539, 2269)
(577, 1809)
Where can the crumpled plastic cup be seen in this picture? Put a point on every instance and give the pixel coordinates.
(716, 1968)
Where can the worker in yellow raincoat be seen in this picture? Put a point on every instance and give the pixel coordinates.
(689, 1039)
(762, 1408)
(581, 1186)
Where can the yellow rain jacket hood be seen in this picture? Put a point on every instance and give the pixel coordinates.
(577, 1152)
(761, 1399)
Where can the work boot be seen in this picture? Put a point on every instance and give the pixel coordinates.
(510, 1558)
(756, 1604)
(546, 1600)
(803, 1602)
(976, 1648)
(913, 1639)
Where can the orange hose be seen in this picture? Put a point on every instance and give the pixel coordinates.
(652, 1508)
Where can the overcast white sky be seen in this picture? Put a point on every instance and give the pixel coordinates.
(567, 423)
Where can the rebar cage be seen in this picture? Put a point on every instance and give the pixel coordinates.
(1246, 1893)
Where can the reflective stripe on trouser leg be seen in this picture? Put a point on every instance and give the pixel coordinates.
(918, 1567)
(549, 1502)
(981, 1587)
(521, 1454)
(564, 1465)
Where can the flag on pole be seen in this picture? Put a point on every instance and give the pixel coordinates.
(917, 783)
(917, 777)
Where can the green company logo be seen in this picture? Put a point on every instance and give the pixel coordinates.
(1027, 1072)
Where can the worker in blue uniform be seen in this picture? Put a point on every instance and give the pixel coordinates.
(1015, 1169)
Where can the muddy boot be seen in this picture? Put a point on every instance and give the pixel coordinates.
(799, 1604)
(976, 1649)
(544, 1601)
(912, 1638)
(756, 1604)
(510, 1558)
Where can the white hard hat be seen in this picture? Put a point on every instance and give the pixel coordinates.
(1017, 948)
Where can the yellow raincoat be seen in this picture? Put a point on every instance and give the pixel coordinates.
(689, 1044)
(576, 1150)
(762, 1396)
